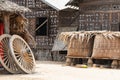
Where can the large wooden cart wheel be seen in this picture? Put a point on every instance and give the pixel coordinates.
(22, 54)
(5, 55)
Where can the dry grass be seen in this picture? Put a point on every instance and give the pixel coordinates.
(82, 35)
(18, 25)
(9, 6)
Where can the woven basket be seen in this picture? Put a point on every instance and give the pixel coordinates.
(106, 47)
(79, 48)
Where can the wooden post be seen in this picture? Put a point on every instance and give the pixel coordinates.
(114, 64)
(90, 62)
(68, 61)
(6, 17)
(73, 62)
(110, 21)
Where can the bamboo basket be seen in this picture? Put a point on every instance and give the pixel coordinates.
(107, 46)
(79, 48)
(80, 44)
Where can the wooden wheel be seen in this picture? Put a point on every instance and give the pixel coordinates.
(22, 54)
(5, 55)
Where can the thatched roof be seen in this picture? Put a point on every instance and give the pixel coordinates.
(68, 37)
(9, 6)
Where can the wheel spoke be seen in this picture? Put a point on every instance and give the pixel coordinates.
(5, 56)
(22, 54)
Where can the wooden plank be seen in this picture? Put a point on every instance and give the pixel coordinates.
(106, 58)
(41, 25)
(76, 57)
(99, 2)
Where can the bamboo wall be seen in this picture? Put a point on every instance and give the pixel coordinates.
(44, 42)
(99, 21)
(40, 9)
(99, 15)
(20, 2)
(68, 18)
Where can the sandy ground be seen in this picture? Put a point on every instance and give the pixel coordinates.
(57, 71)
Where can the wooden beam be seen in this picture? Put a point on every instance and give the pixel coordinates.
(41, 24)
(95, 11)
(6, 17)
(99, 2)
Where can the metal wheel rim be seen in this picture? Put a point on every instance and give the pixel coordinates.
(22, 54)
(5, 55)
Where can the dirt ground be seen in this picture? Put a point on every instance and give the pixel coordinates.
(57, 71)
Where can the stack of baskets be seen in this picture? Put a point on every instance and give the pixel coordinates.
(15, 55)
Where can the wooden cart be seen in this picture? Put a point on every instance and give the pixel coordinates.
(15, 54)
